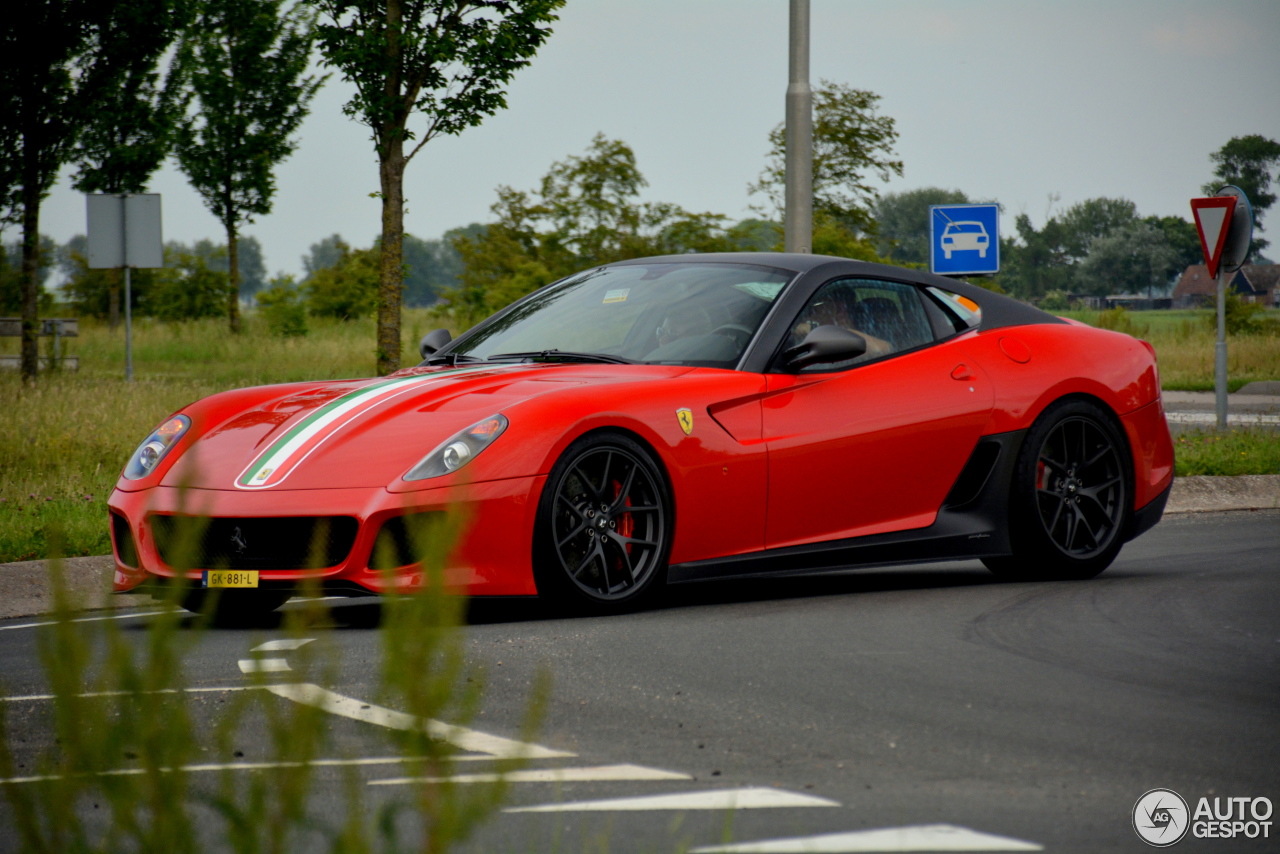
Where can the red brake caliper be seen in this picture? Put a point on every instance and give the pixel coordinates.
(626, 524)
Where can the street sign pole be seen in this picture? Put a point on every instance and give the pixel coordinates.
(1224, 222)
(128, 290)
(1220, 354)
(124, 232)
(798, 194)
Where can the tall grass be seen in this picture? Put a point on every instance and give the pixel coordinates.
(1184, 342)
(64, 441)
(128, 737)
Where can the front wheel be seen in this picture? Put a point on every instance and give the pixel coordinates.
(603, 527)
(1071, 496)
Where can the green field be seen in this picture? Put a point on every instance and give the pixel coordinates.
(63, 442)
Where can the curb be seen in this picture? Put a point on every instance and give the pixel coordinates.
(25, 589)
(1204, 494)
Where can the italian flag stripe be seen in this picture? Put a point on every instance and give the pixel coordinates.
(275, 463)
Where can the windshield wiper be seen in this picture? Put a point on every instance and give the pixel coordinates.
(452, 359)
(566, 355)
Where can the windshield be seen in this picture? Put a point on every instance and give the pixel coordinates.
(666, 314)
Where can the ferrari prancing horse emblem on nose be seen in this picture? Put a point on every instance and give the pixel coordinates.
(685, 417)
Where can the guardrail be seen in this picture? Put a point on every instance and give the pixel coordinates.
(56, 328)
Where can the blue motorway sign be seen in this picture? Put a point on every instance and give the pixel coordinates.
(964, 239)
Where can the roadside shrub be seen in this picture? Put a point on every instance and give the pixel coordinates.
(187, 288)
(283, 307)
(348, 289)
(1055, 301)
(1243, 318)
(1119, 320)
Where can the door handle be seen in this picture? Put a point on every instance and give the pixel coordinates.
(962, 373)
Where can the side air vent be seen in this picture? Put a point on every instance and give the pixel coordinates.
(403, 540)
(126, 548)
(973, 477)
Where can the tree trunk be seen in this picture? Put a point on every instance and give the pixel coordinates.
(391, 274)
(233, 270)
(30, 260)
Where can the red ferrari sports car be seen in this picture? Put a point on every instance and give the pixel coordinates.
(668, 420)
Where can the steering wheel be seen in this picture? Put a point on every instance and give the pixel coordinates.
(741, 335)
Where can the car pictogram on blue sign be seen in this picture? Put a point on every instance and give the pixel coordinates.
(964, 239)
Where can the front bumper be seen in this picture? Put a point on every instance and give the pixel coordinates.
(493, 556)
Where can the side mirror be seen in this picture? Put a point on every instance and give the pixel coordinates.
(824, 345)
(433, 341)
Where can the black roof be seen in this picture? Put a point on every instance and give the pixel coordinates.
(998, 310)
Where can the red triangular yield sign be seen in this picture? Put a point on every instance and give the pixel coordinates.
(1213, 221)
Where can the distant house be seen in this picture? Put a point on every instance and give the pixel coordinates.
(1258, 283)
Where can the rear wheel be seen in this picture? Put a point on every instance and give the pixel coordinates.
(603, 530)
(1071, 497)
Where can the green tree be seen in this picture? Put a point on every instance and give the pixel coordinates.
(60, 59)
(851, 142)
(586, 212)
(1039, 261)
(1248, 162)
(446, 60)
(253, 270)
(1183, 239)
(903, 221)
(186, 288)
(347, 289)
(245, 62)
(1131, 259)
(282, 304)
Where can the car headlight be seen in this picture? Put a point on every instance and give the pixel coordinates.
(154, 447)
(459, 449)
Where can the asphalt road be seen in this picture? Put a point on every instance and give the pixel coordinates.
(1032, 714)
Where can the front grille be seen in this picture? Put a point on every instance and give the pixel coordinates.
(281, 542)
(126, 549)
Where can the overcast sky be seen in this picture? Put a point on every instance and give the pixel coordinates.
(1012, 101)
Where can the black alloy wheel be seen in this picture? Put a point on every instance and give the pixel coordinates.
(1079, 487)
(603, 529)
(1071, 497)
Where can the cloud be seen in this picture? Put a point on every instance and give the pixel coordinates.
(1201, 36)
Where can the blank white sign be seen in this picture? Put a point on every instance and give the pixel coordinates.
(124, 231)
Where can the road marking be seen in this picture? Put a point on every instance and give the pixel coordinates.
(87, 619)
(600, 773)
(921, 837)
(213, 690)
(263, 665)
(718, 799)
(1212, 418)
(467, 739)
(284, 643)
(248, 766)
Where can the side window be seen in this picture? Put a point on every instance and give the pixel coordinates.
(961, 312)
(889, 315)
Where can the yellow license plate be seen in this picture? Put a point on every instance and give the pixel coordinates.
(231, 578)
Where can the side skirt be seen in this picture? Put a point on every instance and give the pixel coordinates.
(972, 523)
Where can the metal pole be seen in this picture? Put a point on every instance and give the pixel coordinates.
(128, 291)
(128, 328)
(1220, 353)
(798, 215)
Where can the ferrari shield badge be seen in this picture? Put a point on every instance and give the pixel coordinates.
(685, 417)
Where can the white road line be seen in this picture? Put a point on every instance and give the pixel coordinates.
(717, 799)
(263, 665)
(1243, 418)
(921, 837)
(85, 620)
(247, 766)
(284, 643)
(467, 739)
(212, 690)
(599, 773)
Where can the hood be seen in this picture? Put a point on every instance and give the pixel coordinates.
(368, 433)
